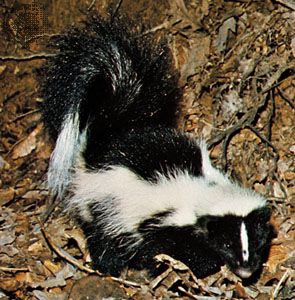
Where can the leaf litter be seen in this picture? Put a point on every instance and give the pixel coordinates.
(236, 64)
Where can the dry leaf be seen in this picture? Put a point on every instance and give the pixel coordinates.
(175, 264)
(54, 268)
(95, 288)
(27, 145)
(2, 69)
(50, 296)
(6, 195)
(277, 254)
(228, 27)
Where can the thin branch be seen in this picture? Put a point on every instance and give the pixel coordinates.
(13, 270)
(181, 289)
(282, 187)
(282, 280)
(162, 26)
(245, 121)
(63, 254)
(38, 36)
(223, 151)
(31, 112)
(288, 3)
(119, 3)
(91, 5)
(40, 55)
(249, 117)
(270, 115)
(273, 80)
(286, 98)
(52, 203)
(11, 96)
(73, 261)
(14, 145)
(264, 139)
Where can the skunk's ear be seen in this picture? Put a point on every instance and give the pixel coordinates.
(260, 216)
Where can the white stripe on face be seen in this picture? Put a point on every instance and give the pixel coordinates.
(244, 242)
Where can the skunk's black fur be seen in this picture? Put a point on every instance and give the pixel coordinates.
(137, 186)
(103, 61)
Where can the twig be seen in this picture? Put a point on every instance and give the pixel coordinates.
(288, 3)
(282, 280)
(196, 296)
(52, 204)
(273, 80)
(284, 190)
(13, 270)
(264, 139)
(40, 55)
(66, 256)
(184, 12)
(14, 145)
(270, 115)
(247, 40)
(245, 121)
(31, 112)
(63, 254)
(37, 36)
(248, 118)
(156, 281)
(11, 96)
(187, 293)
(91, 5)
(247, 74)
(126, 282)
(276, 199)
(119, 3)
(223, 152)
(287, 99)
(162, 26)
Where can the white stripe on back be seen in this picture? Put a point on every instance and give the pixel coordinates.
(244, 242)
(135, 199)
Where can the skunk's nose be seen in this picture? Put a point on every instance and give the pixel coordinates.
(244, 272)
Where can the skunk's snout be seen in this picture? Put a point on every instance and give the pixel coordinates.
(244, 272)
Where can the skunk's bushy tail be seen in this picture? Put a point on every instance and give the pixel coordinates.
(102, 81)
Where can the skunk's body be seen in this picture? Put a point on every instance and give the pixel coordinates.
(137, 186)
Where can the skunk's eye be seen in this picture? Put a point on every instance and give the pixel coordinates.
(261, 244)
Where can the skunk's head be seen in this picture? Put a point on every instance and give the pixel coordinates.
(241, 242)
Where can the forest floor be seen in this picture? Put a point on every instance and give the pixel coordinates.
(237, 71)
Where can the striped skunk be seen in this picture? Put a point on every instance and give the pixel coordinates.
(137, 186)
